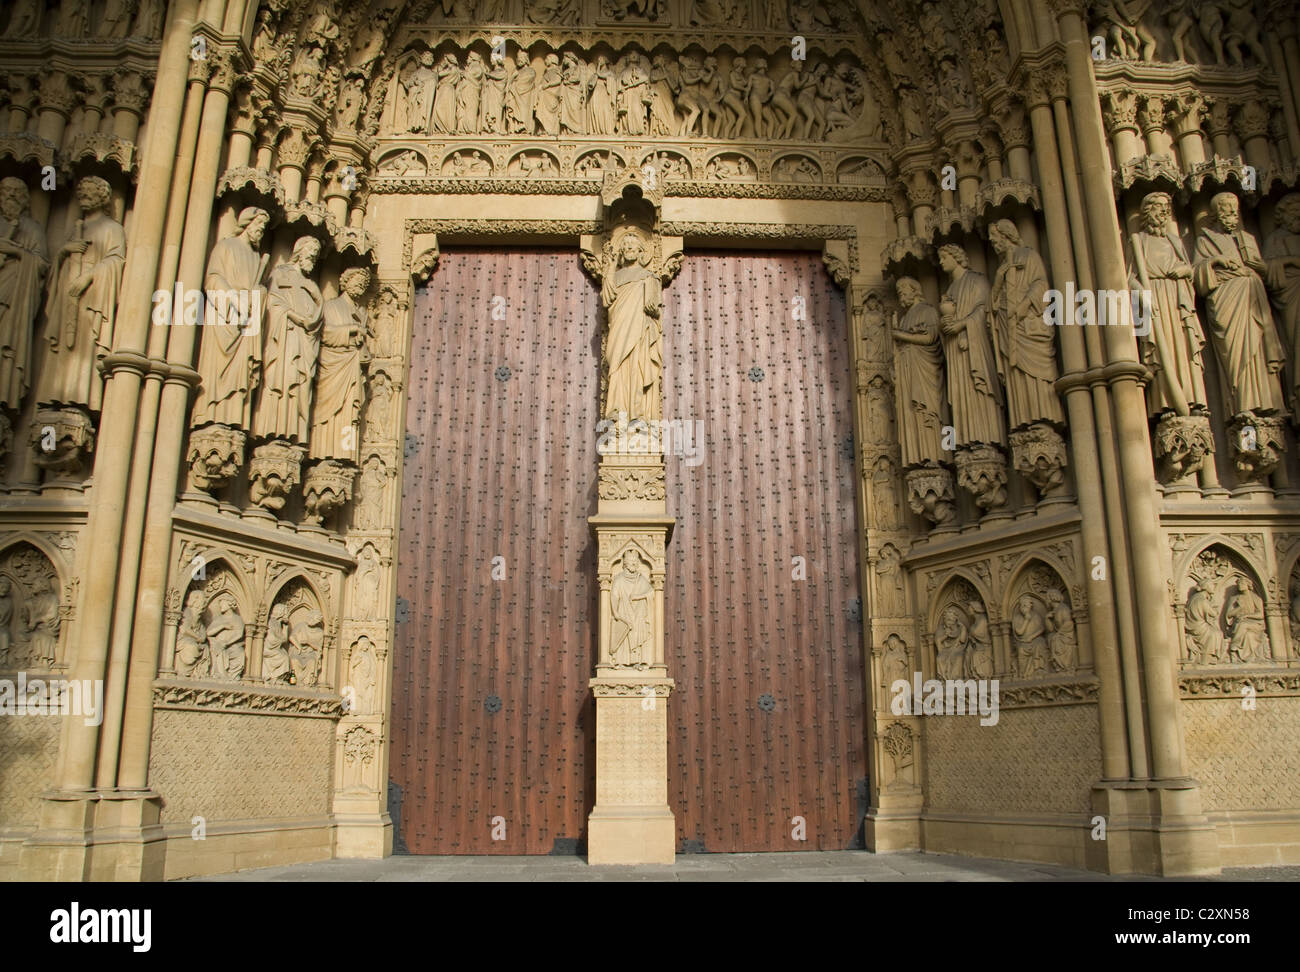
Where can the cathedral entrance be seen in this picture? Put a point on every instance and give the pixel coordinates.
(493, 722)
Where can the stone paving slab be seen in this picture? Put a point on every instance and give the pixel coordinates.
(838, 866)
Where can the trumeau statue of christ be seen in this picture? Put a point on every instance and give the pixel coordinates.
(633, 298)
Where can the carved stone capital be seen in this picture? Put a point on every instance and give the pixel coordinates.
(1151, 114)
(982, 472)
(273, 472)
(1040, 456)
(930, 494)
(130, 92)
(327, 486)
(216, 453)
(1257, 444)
(57, 93)
(1252, 120)
(61, 439)
(1183, 442)
(1119, 110)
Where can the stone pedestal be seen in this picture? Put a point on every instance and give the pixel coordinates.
(215, 456)
(62, 440)
(631, 822)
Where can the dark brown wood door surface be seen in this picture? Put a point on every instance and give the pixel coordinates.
(491, 707)
(493, 727)
(766, 723)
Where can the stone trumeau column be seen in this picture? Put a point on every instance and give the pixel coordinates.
(631, 822)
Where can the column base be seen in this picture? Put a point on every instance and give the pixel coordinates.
(1153, 827)
(104, 835)
(631, 835)
(363, 835)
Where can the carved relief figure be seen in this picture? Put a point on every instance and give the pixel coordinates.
(521, 97)
(492, 108)
(1244, 616)
(632, 295)
(275, 651)
(951, 640)
(229, 347)
(468, 91)
(1228, 272)
(1201, 622)
(1023, 341)
(573, 95)
(370, 502)
(1029, 631)
(633, 97)
(82, 305)
(602, 94)
(1062, 642)
(444, 96)
(25, 19)
(918, 377)
(335, 432)
(6, 618)
(225, 632)
(549, 96)
(307, 647)
(1158, 264)
(973, 390)
(361, 676)
(366, 588)
(293, 317)
(631, 598)
(192, 659)
(1282, 256)
(24, 261)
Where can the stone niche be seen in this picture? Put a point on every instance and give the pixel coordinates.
(31, 610)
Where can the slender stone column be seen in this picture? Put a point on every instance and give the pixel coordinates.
(58, 849)
(1187, 129)
(173, 411)
(1184, 839)
(1079, 401)
(631, 822)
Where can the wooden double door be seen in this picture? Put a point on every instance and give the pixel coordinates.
(493, 745)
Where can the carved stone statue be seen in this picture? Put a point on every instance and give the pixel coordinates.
(25, 18)
(230, 345)
(192, 659)
(632, 607)
(1158, 265)
(951, 640)
(293, 318)
(1282, 256)
(492, 104)
(1228, 272)
(82, 307)
(521, 97)
(973, 390)
(468, 92)
(1062, 641)
(225, 632)
(1024, 342)
(1201, 622)
(549, 96)
(6, 618)
(307, 648)
(24, 261)
(602, 94)
(340, 386)
(444, 96)
(1244, 616)
(758, 92)
(275, 651)
(1029, 632)
(632, 296)
(918, 377)
(633, 97)
(573, 95)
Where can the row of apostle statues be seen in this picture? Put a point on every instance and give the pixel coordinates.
(805, 16)
(78, 288)
(112, 20)
(983, 362)
(286, 367)
(666, 95)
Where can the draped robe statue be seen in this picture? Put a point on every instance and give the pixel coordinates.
(1227, 272)
(973, 391)
(275, 651)
(521, 96)
(631, 597)
(1158, 262)
(1282, 254)
(293, 318)
(918, 377)
(24, 261)
(82, 306)
(339, 386)
(444, 96)
(632, 296)
(230, 343)
(1024, 342)
(600, 102)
